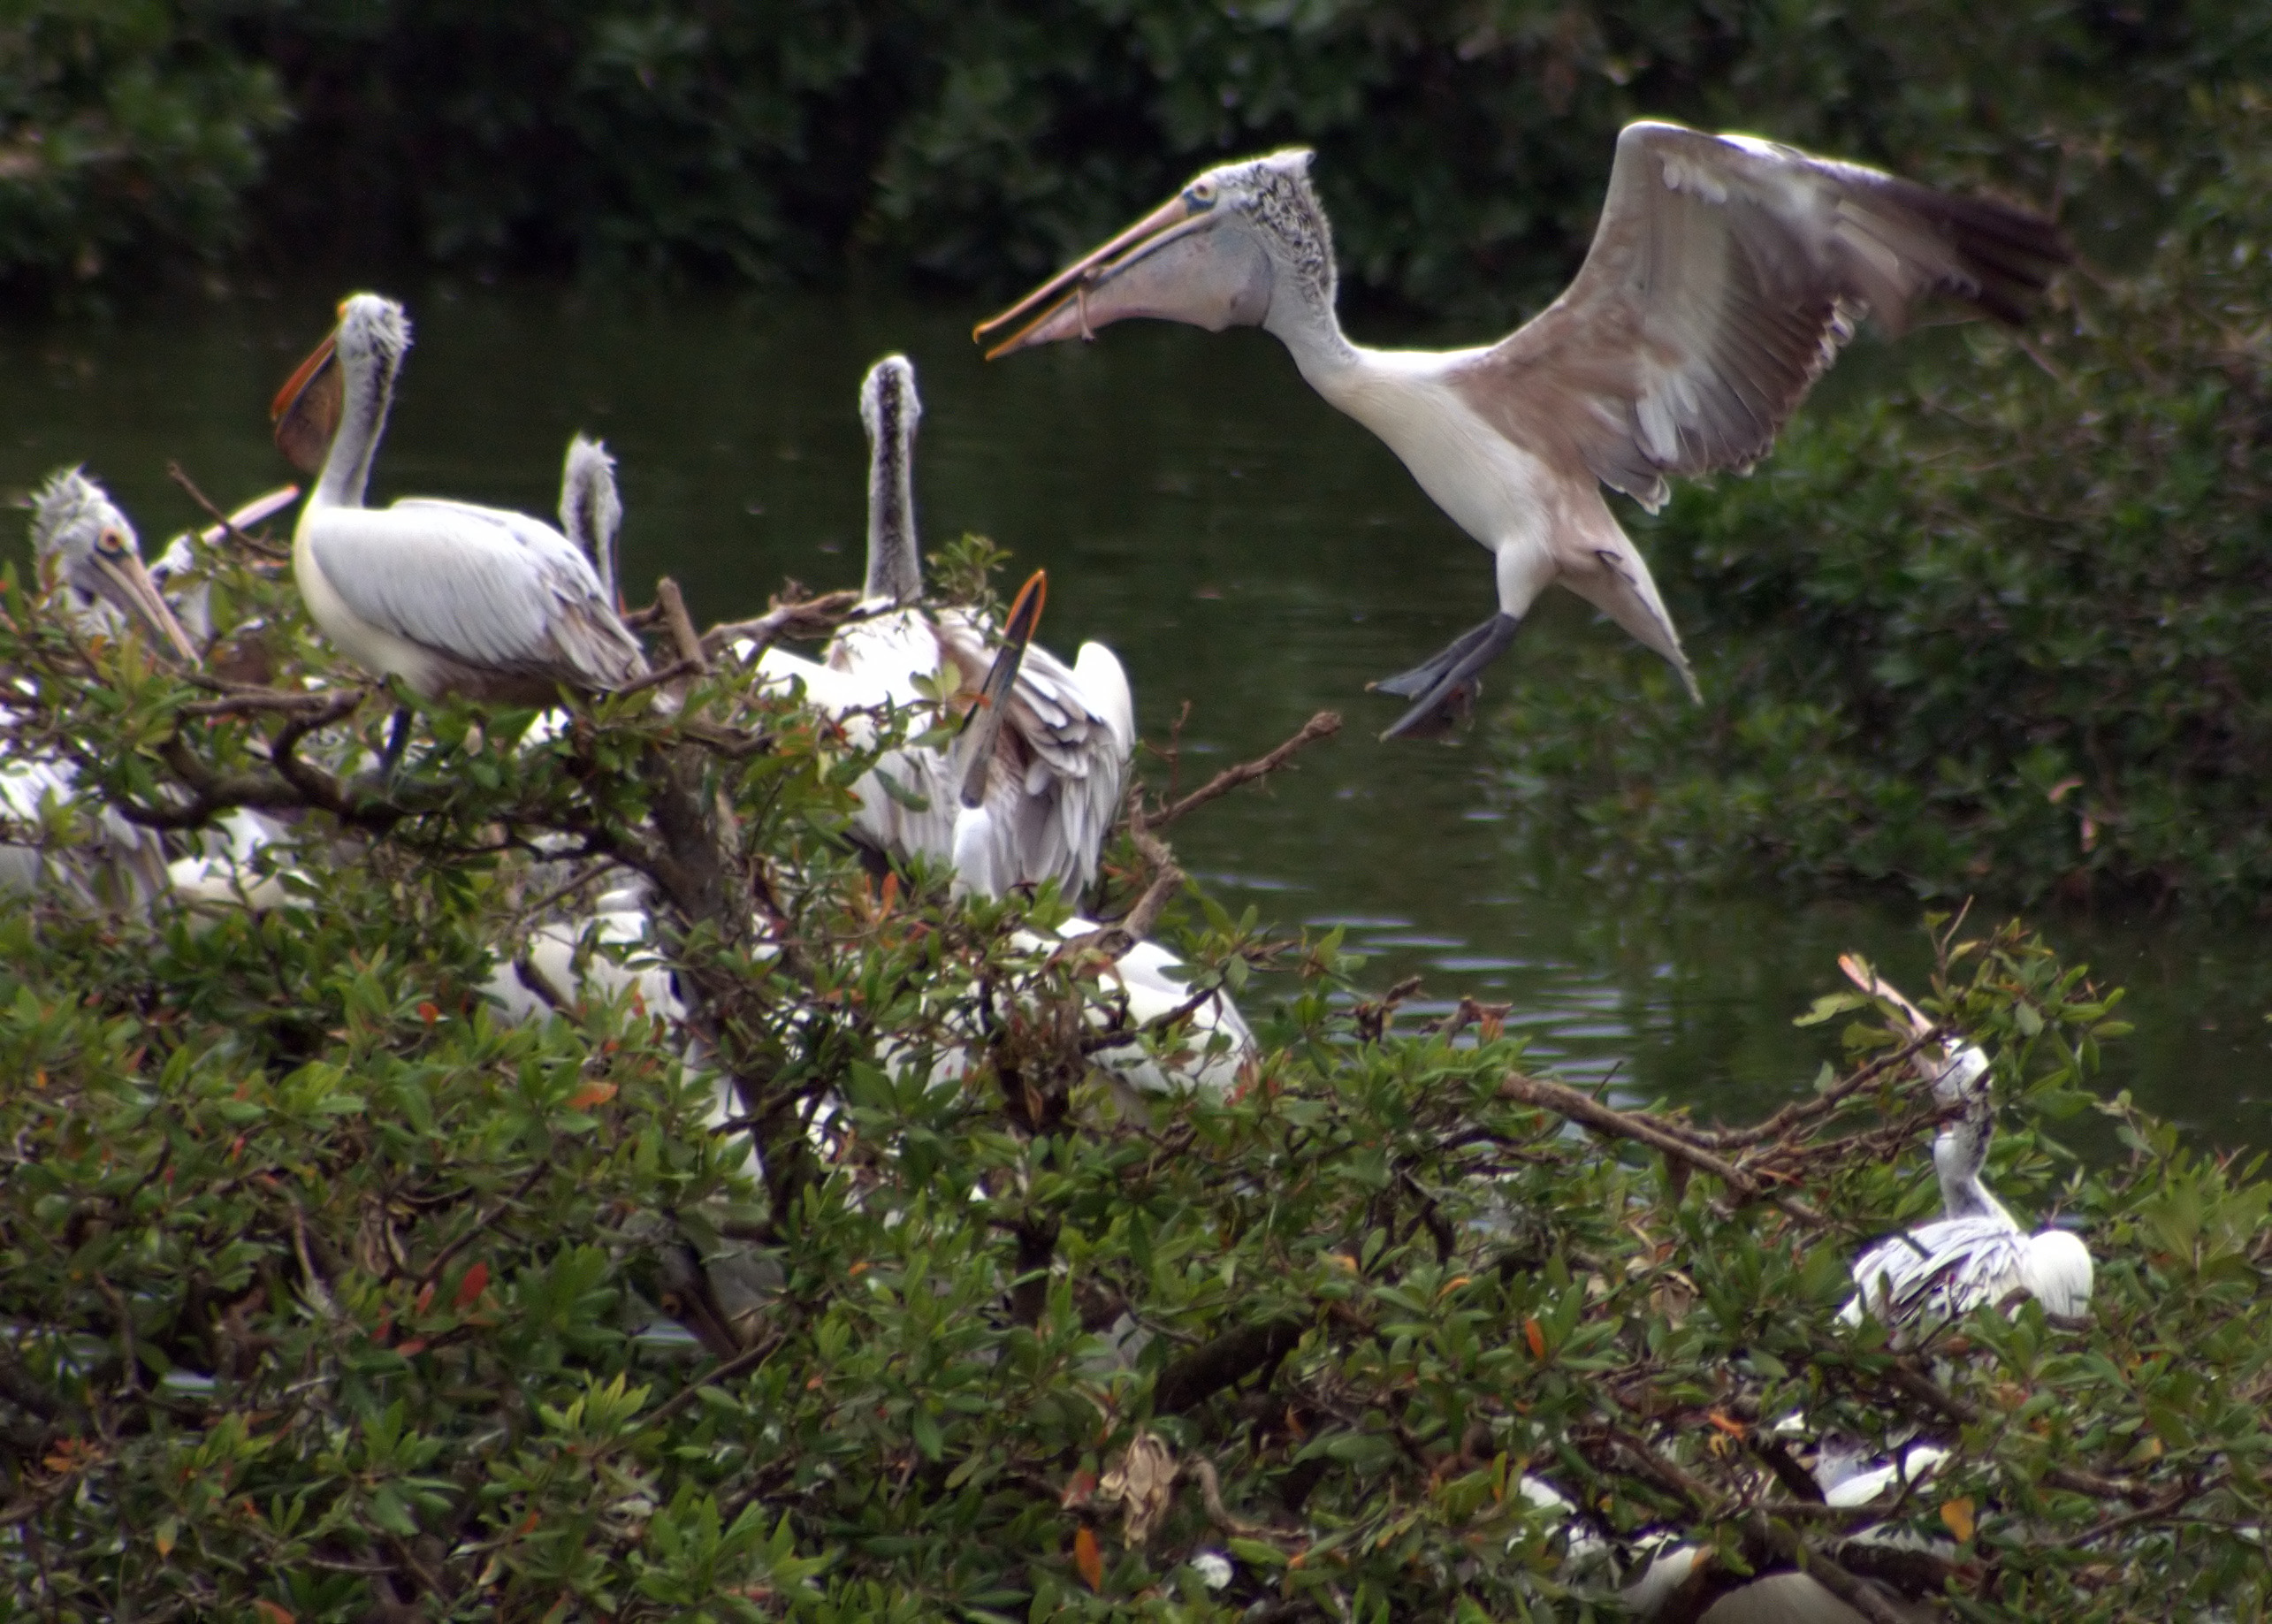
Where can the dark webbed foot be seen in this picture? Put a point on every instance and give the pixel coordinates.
(1444, 688)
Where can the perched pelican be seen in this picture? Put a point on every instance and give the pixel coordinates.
(1724, 275)
(591, 510)
(452, 596)
(1055, 780)
(1975, 1254)
(84, 547)
(85, 551)
(1847, 1482)
(1149, 981)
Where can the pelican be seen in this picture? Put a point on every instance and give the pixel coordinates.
(1725, 273)
(1149, 981)
(591, 510)
(84, 546)
(1055, 780)
(1975, 1254)
(85, 551)
(452, 596)
(1847, 1482)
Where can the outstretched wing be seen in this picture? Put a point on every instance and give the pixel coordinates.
(1726, 274)
(491, 588)
(1945, 1268)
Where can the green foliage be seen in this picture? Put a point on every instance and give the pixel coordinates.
(127, 131)
(323, 1292)
(1997, 634)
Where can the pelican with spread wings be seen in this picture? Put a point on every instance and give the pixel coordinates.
(1726, 274)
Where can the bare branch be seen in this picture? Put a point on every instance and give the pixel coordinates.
(1324, 724)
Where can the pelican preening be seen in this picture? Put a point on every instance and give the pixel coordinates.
(452, 596)
(1975, 1254)
(1053, 784)
(1724, 275)
(591, 512)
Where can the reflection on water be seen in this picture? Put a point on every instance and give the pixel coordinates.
(1251, 555)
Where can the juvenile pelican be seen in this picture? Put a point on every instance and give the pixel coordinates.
(591, 510)
(86, 548)
(1724, 275)
(1055, 781)
(452, 596)
(86, 553)
(1149, 982)
(1975, 1254)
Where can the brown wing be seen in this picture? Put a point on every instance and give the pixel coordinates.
(1724, 277)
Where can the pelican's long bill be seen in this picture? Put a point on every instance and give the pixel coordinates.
(983, 726)
(306, 411)
(1185, 262)
(121, 578)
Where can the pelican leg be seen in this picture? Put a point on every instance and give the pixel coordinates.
(1445, 686)
(398, 740)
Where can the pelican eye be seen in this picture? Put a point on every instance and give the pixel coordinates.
(1199, 194)
(111, 540)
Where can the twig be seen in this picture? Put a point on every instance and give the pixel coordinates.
(268, 550)
(681, 628)
(264, 702)
(1581, 1108)
(657, 678)
(806, 617)
(1324, 724)
(1211, 1494)
(480, 1225)
(748, 1359)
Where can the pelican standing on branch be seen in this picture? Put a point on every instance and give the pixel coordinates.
(1053, 782)
(1724, 275)
(452, 596)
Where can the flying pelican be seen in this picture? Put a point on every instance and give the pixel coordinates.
(1975, 1254)
(452, 596)
(1056, 780)
(1724, 275)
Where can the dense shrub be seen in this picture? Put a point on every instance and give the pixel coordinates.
(2001, 629)
(326, 1296)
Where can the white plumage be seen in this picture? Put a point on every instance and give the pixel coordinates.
(1725, 274)
(1053, 785)
(453, 597)
(1976, 1255)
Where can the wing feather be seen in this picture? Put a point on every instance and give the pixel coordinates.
(481, 587)
(1726, 274)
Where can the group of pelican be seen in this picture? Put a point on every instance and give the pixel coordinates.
(1724, 275)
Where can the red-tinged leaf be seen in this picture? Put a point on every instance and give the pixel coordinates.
(475, 1282)
(1077, 1490)
(272, 1612)
(425, 1296)
(1088, 1559)
(1535, 1338)
(416, 1344)
(590, 1095)
(528, 1525)
(1734, 1429)
(428, 1013)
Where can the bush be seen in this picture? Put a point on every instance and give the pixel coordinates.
(1997, 633)
(128, 134)
(327, 1296)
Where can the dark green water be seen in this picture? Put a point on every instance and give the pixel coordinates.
(1245, 549)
